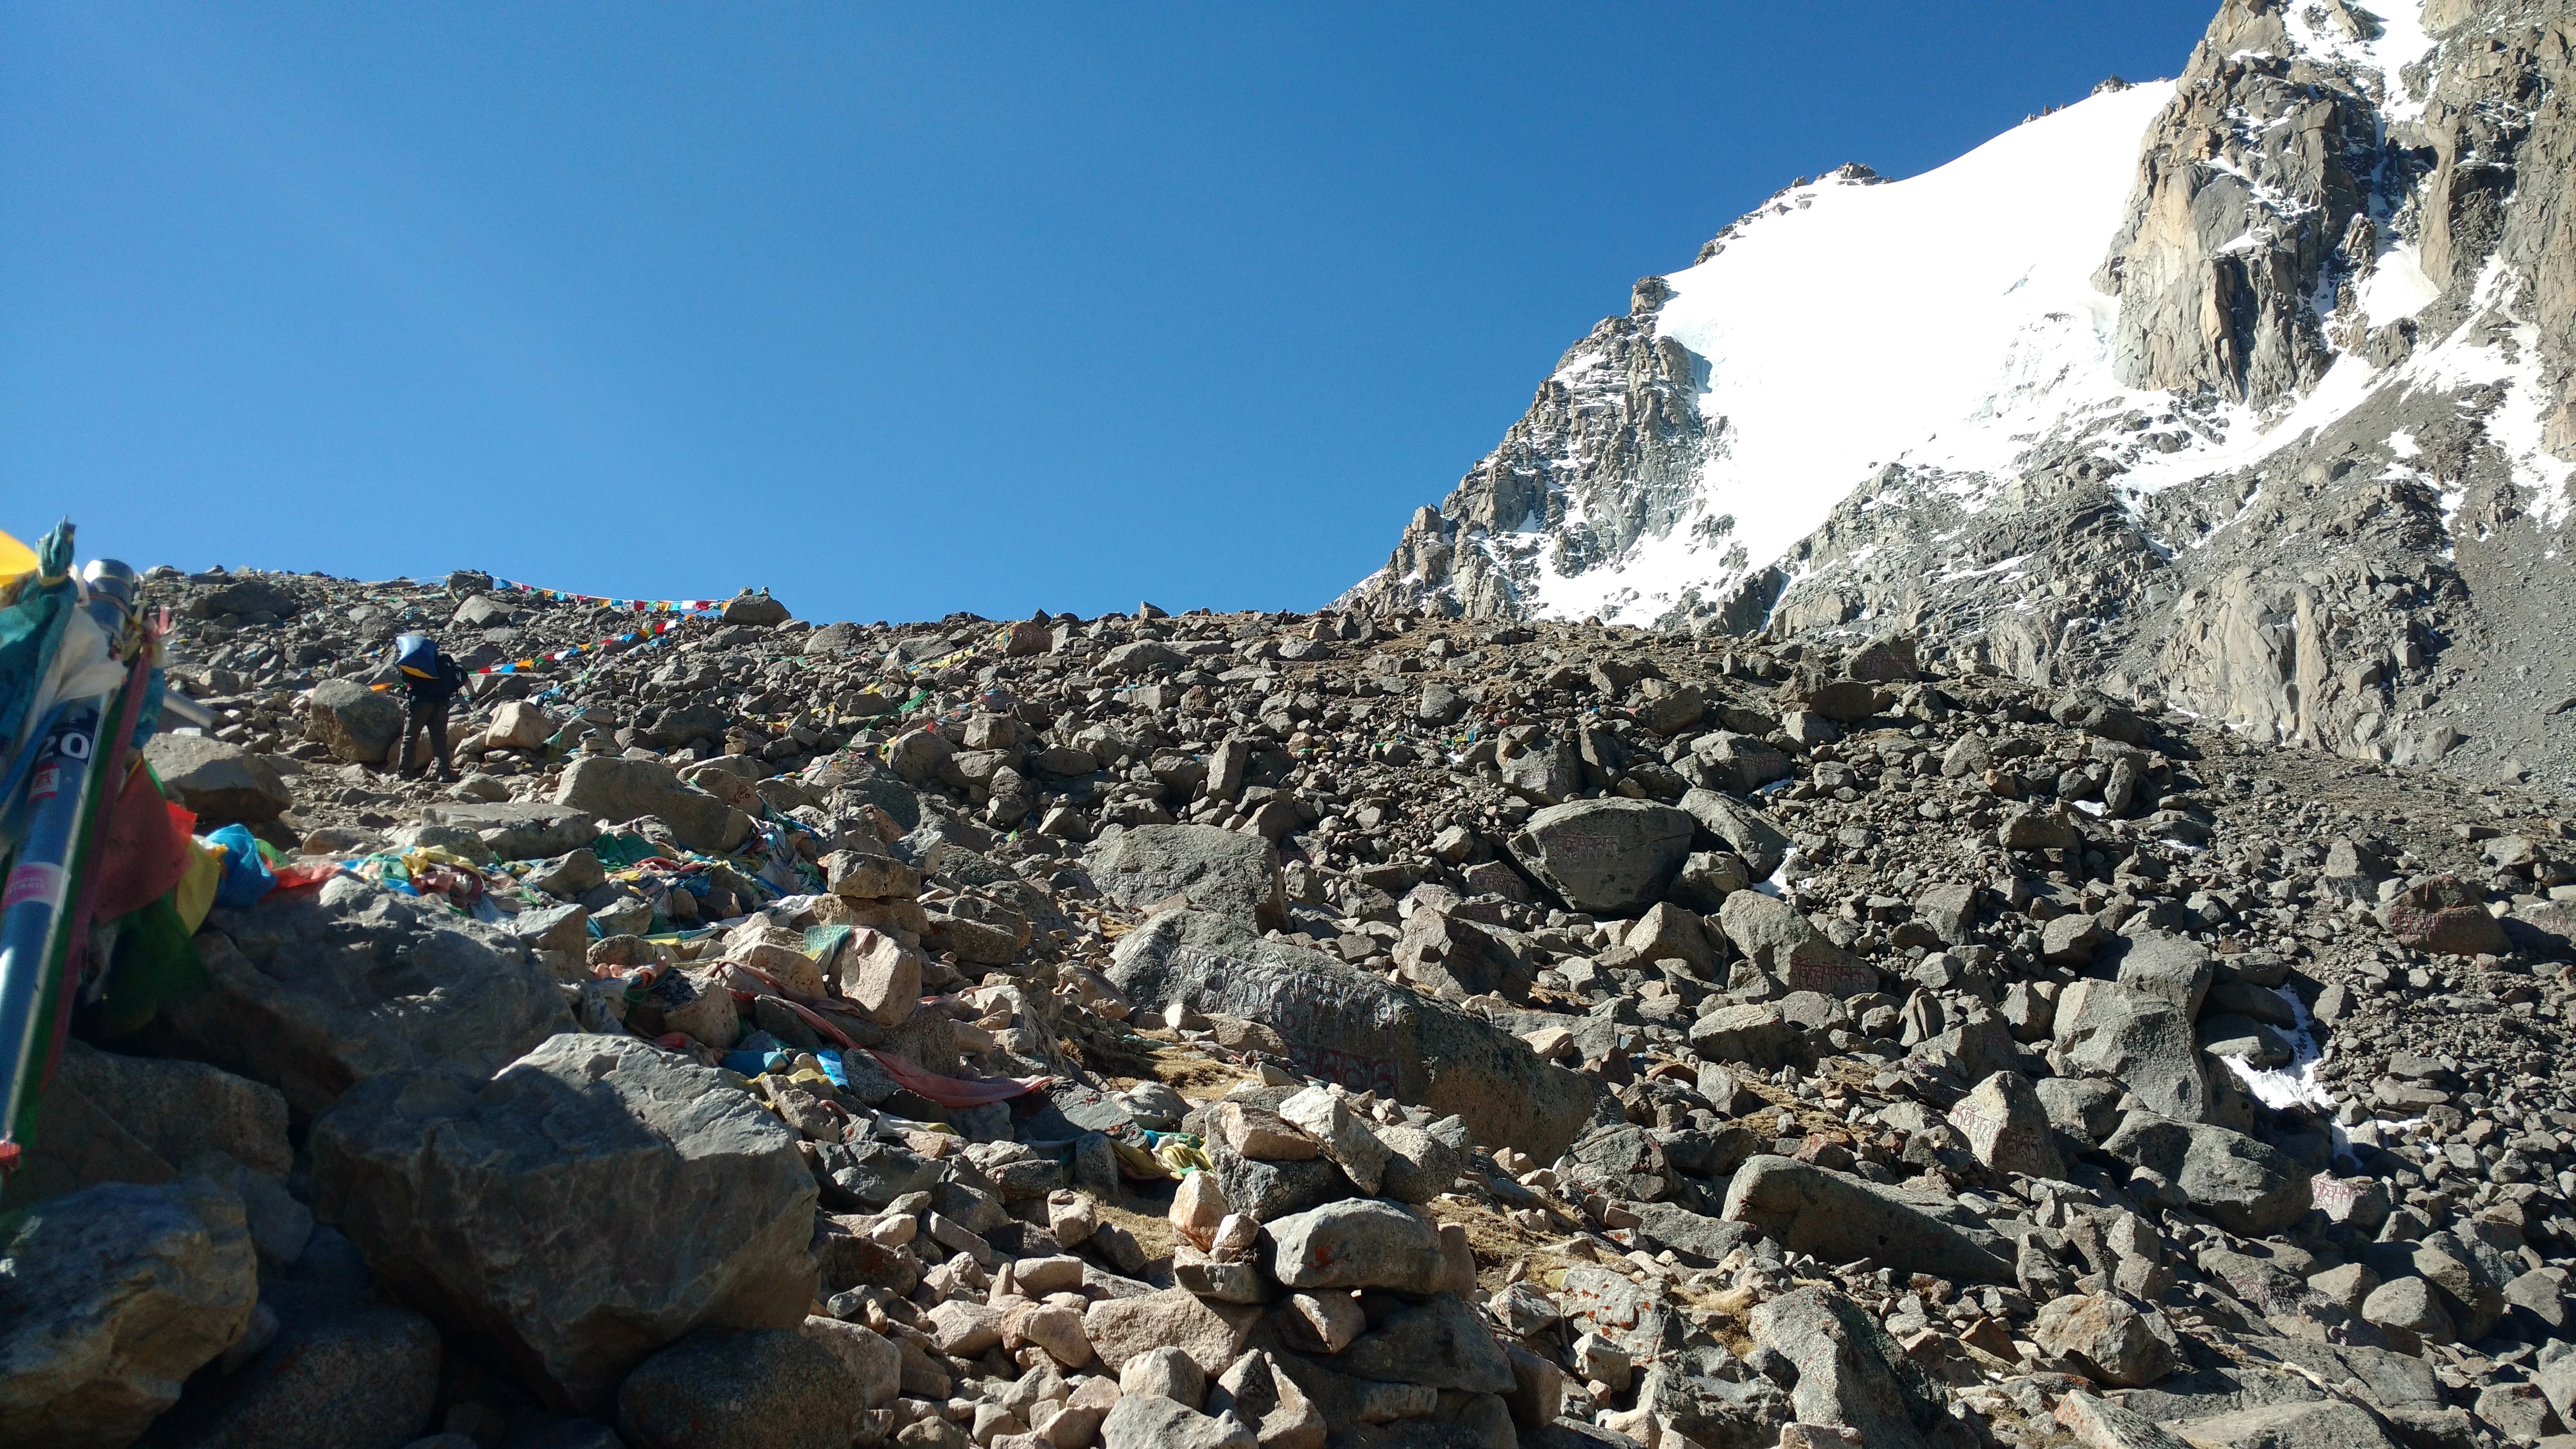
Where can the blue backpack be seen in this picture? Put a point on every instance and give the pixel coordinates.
(417, 656)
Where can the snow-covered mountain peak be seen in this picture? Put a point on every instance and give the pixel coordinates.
(1933, 318)
(2314, 298)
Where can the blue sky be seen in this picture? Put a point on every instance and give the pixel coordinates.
(894, 310)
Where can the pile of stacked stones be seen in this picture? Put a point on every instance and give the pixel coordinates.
(1560, 1035)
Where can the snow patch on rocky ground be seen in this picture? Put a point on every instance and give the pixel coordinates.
(2402, 41)
(2295, 1085)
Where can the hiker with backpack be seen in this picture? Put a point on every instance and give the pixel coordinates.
(431, 682)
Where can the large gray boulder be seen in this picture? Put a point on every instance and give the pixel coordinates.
(617, 789)
(686, 723)
(1145, 656)
(1454, 958)
(1540, 769)
(2106, 1337)
(759, 610)
(758, 1389)
(1725, 760)
(1256, 1389)
(1419, 1165)
(873, 1360)
(2142, 1041)
(2007, 1127)
(1270, 1190)
(2244, 1185)
(1232, 875)
(841, 638)
(519, 829)
(220, 781)
(2096, 1421)
(310, 991)
(349, 1374)
(249, 594)
(1703, 1392)
(2557, 1380)
(1150, 1421)
(1850, 1373)
(864, 778)
(1210, 1332)
(1358, 1243)
(1695, 1238)
(146, 1120)
(1708, 877)
(2160, 966)
(1610, 855)
(1950, 910)
(2318, 1424)
(1788, 947)
(1640, 1319)
(2446, 916)
(355, 723)
(180, 1108)
(109, 1299)
(1439, 1341)
(1837, 1217)
(1753, 1034)
(1367, 1033)
(923, 757)
(1740, 828)
(590, 1204)
(2410, 1306)
(76, 1144)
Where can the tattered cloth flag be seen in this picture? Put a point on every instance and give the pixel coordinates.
(640, 606)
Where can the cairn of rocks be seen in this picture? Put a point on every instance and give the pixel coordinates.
(1298, 1031)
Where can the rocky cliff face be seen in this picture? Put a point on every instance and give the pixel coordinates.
(2253, 393)
(1608, 453)
(2251, 182)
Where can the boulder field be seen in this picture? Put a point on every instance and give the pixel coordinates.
(1297, 1031)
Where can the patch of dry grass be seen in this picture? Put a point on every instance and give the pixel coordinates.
(1197, 1077)
(1498, 1242)
(1153, 1231)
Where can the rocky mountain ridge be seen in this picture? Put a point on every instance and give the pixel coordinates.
(2261, 407)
